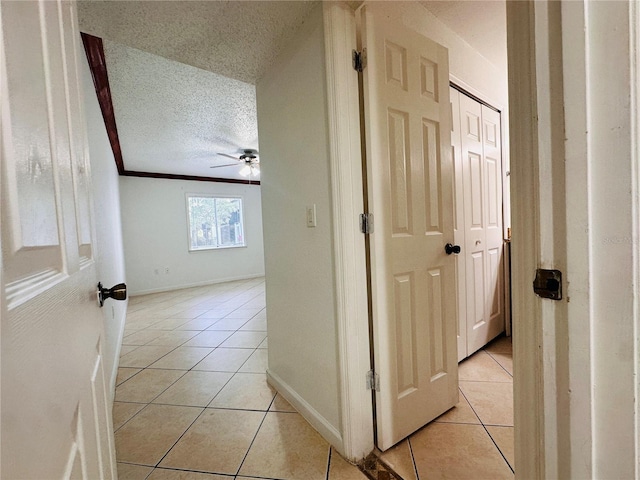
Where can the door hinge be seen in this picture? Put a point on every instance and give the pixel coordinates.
(358, 59)
(366, 223)
(373, 381)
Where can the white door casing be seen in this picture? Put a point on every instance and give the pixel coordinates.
(55, 409)
(409, 168)
(478, 198)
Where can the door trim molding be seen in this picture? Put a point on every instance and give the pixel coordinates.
(349, 247)
(528, 381)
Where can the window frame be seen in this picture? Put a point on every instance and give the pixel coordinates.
(214, 195)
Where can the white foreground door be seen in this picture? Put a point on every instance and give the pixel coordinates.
(409, 168)
(56, 421)
(477, 153)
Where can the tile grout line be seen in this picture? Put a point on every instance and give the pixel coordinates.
(413, 459)
(328, 463)
(244, 458)
(487, 432)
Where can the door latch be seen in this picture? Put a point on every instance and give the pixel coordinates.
(548, 284)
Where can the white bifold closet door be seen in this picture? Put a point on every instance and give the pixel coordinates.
(476, 143)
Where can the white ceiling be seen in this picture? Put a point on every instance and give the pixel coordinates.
(481, 23)
(182, 73)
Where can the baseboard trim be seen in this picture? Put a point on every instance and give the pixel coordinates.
(310, 414)
(172, 288)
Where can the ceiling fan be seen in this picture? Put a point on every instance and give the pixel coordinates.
(248, 157)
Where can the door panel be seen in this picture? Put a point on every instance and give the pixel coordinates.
(459, 227)
(479, 189)
(55, 412)
(407, 124)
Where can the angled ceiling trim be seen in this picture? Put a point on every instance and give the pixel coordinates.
(94, 50)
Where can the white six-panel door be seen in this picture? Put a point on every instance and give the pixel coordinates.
(477, 154)
(55, 415)
(409, 168)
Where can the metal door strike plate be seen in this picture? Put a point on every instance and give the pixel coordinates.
(548, 284)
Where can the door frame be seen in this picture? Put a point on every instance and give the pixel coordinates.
(349, 253)
(562, 415)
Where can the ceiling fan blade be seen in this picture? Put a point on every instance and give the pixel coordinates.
(226, 165)
(229, 156)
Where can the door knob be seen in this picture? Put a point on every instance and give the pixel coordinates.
(117, 292)
(449, 248)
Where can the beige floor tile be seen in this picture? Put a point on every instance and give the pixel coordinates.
(123, 412)
(224, 360)
(208, 339)
(144, 356)
(256, 324)
(246, 313)
(248, 391)
(149, 435)
(165, 474)
(173, 338)
(448, 451)
(195, 389)
(125, 373)
(340, 469)
(400, 460)
(212, 314)
(481, 367)
(170, 323)
(461, 413)
(190, 313)
(228, 324)
(182, 358)
(287, 447)
(504, 359)
(244, 340)
(279, 404)
(146, 385)
(500, 345)
(217, 442)
(125, 349)
(503, 436)
(141, 337)
(492, 401)
(257, 362)
(127, 471)
(197, 324)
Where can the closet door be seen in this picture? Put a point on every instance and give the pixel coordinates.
(479, 168)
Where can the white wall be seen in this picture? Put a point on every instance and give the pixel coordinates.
(108, 230)
(300, 286)
(154, 226)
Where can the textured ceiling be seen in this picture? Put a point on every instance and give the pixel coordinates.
(174, 118)
(237, 39)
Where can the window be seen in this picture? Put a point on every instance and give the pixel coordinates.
(215, 222)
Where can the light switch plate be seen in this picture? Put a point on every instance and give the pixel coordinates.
(311, 215)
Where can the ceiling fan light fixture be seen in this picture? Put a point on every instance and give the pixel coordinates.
(245, 171)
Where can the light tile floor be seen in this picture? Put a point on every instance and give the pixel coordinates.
(473, 440)
(192, 402)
